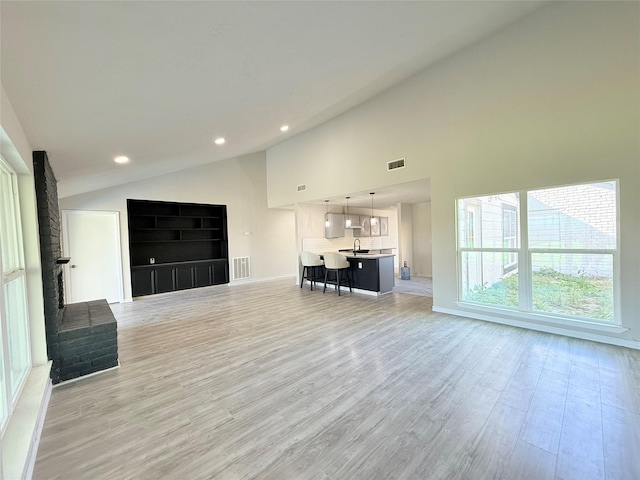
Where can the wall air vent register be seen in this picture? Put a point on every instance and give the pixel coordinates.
(395, 164)
(241, 268)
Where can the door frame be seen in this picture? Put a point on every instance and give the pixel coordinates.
(115, 215)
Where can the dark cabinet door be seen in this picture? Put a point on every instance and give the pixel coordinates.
(171, 277)
(364, 272)
(164, 279)
(220, 272)
(202, 274)
(184, 278)
(142, 282)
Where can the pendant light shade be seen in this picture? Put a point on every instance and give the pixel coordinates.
(374, 220)
(327, 222)
(347, 222)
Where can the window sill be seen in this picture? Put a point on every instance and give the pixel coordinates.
(21, 439)
(542, 318)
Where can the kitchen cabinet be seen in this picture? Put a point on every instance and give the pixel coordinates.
(379, 229)
(365, 230)
(336, 226)
(364, 273)
(375, 227)
(384, 226)
(373, 273)
(142, 281)
(361, 226)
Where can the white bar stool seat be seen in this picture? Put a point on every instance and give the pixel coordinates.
(310, 263)
(334, 262)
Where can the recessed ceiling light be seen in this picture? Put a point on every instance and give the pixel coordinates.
(219, 141)
(121, 159)
(284, 128)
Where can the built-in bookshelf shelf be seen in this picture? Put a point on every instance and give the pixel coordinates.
(174, 246)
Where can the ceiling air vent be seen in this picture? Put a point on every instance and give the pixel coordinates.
(302, 188)
(393, 164)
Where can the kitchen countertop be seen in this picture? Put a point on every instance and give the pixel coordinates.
(367, 255)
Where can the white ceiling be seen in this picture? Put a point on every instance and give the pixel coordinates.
(159, 81)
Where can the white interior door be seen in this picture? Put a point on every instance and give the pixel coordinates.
(92, 240)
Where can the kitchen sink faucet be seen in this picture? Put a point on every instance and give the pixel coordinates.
(356, 242)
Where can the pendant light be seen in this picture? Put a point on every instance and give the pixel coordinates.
(327, 222)
(374, 220)
(347, 222)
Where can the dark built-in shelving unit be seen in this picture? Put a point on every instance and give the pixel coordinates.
(175, 246)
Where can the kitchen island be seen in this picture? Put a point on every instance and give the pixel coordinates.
(371, 274)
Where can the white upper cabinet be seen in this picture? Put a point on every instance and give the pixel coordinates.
(384, 226)
(380, 228)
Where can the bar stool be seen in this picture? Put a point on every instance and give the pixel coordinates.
(310, 262)
(334, 262)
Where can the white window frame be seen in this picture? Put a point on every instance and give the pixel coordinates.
(525, 253)
(512, 262)
(17, 272)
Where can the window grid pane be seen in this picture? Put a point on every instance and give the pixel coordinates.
(573, 284)
(569, 267)
(481, 221)
(484, 280)
(574, 217)
(18, 334)
(8, 223)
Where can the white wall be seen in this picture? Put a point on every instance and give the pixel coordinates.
(551, 100)
(16, 150)
(18, 450)
(421, 216)
(265, 235)
(405, 234)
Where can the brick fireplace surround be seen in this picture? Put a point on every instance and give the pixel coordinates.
(81, 337)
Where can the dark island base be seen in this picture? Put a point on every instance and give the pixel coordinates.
(371, 275)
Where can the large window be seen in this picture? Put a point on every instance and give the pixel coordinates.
(550, 251)
(15, 359)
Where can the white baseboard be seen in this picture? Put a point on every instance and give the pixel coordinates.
(257, 280)
(83, 377)
(620, 342)
(320, 285)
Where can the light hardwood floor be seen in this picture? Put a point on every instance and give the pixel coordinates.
(270, 381)
(415, 286)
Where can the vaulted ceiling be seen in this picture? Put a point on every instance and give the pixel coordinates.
(159, 81)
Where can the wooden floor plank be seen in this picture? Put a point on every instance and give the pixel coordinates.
(545, 416)
(530, 462)
(621, 442)
(581, 452)
(270, 381)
